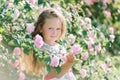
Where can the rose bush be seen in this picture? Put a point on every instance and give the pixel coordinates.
(89, 36)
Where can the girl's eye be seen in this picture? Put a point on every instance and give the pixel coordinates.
(58, 28)
(50, 28)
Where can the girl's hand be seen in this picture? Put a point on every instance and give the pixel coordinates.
(71, 58)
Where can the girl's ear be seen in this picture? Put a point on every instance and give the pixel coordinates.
(40, 29)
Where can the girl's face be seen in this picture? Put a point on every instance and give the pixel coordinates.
(51, 30)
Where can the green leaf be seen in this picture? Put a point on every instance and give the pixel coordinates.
(13, 42)
(27, 51)
(40, 57)
(1, 30)
(26, 47)
(48, 69)
(9, 12)
(27, 7)
(16, 1)
(58, 69)
(62, 3)
(47, 60)
(27, 43)
(76, 71)
(106, 77)
(23, 45)
(28, 36)
(41, 1)
(84, 32)
(92, 57)
(1, 17)
(108, 44)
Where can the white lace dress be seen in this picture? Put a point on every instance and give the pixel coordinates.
(59, 51)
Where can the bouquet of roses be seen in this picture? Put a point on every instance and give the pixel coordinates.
(53, 61)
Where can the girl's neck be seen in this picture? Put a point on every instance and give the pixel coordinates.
(51, 43)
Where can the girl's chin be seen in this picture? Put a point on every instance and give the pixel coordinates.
(51, 41)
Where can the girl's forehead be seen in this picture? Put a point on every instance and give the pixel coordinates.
(53, 21)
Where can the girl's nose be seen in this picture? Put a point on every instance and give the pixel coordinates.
(54, 32)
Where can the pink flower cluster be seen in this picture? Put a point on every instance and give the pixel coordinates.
(38, 41)
(111, 30)
(15, 64)
(16, 14)
(107, 13)
(85, 56)
(89, 2)
(76, 49)
(21, 76)
(30, 28)
(83, 73)
(17, 51)
(71, 38)
(111, 36)
(32, 1)
(54, 61)
(90, 45)
(10, 4)
(98, 47)
(91, 35)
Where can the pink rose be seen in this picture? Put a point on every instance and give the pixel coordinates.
(72, 7)
(16, 14)
(90, 45)
(111, 30)
(30, 28)
(107, 13)
(76, 49)
(88, 26)
(38, 41)
(92, 35)
(0, 37)
(21, 76)
(15, 64)
(83, 73)
(54, 61)
(112, 37)
(69, 15)
(98, 47)
(32, 1)
(104, 67)
(9, 5)
(89, 2)
(82, 22)
(88, 20)
(71, 38)
(85, 56)
(17, 51)
(15, 27)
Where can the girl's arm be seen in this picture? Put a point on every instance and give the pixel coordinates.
(64, 68)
